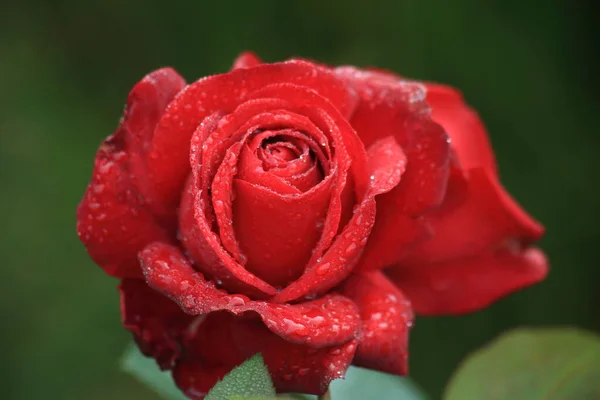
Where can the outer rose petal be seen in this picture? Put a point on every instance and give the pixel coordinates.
(469, 284)
(171, 140)
(390, 105)
(112, 221)
(469, 137)
(487, 218)
(478, 249)
(157, 323)
(386, 319)
(293, 367)
(329, 320)
(397, 108)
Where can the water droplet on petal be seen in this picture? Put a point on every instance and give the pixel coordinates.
(323, 268)
(351, 248)
(236, 301)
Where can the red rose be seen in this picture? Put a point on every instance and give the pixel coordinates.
(254, 212)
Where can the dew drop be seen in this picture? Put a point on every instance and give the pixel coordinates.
(323, 268)
(351, 248)
(98, 188)
(293, 327)
(236, 301)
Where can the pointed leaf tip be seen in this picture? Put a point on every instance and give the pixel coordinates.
(249, 379)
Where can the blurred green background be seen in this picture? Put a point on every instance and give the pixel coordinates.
(66, 67)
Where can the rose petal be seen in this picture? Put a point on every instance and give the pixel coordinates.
(195, 379)
(469, 137)
(278, 233)
(171, 140)
(145, 105)
(386, 319)
(397, 107)
(487, 218)
(393, 237)
(204, 247)
(111, 222)
(246, 60)
(328, 321)
(469, 284)
(303, 171)
(293, 367)
(386, 163)
(156, 322)
(350, 152)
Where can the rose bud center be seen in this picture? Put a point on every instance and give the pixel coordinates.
(281, 198)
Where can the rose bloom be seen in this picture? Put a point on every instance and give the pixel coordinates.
(300, 211)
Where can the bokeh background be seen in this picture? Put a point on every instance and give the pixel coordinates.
(66, 66)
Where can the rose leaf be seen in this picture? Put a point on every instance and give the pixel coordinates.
(251, 378)
(531, 364)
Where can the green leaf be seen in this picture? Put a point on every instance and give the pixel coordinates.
(250, 379)
(147, 372)
(364, 384)
(531, 364)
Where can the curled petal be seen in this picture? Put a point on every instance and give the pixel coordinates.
(488, 217)
(157, 323)
(471, 283)
(205, 248)
(111, 222)
(386, 317)
(171, 140)
(397, 107)
(209, 249)
(328, 321)
(386, 163)
(462, 124)
(145, 105)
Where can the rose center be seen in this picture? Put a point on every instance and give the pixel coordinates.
(277, 152)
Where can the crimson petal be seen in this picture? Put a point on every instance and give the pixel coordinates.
(386, 320)
(112, 221)
(488, 217)
(327, 321)
(156, 322)
(468, 134)
(171, 140)
(472, 283)
(293, 367)
(386, 163)
(223, 341)
(397, 107)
